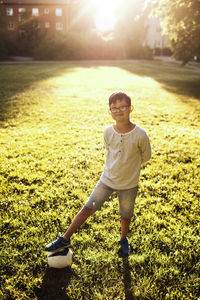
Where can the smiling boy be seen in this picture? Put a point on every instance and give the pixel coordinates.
(127, 146)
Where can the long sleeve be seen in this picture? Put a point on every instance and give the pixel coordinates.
(104, 141)
(145, 148)
(125, 153)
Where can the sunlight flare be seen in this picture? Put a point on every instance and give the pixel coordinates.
(105, 17)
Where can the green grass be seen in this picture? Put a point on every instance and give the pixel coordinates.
(52, 119)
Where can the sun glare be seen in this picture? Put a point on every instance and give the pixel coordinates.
(105, 17)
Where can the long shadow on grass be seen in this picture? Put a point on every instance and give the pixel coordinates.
(17, 78)
(172, 77)
(127, 280)
(54, 284)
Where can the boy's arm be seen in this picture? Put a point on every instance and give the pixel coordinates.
(105, 143)
(145, 148)
(105, 140)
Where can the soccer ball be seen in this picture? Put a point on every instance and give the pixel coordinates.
(61, 259)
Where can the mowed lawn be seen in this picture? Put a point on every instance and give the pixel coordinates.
(52, 118)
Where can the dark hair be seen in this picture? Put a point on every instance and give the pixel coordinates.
(119, 96)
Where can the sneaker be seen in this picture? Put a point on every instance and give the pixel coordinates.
(58, 245)
(125, 248)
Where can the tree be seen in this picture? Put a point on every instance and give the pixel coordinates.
(29, 34)
(181, 21)
(131, 29)
(81, 16)
(3, 25)
(3, 21)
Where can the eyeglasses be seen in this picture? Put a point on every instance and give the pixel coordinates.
(121, 108)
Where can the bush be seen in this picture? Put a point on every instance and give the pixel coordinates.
(72, 46)
(157, 51)
(61, 47)
(147, 53)
(167, 52)
(12, 47)
(102, 47)
(8, 46)
(139, 52)
(75, 46)
(2, 48)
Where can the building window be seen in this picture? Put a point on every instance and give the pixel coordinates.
(9, 11)
(21, 10)
(58, 12)
(10, 26)
(59, 26)
(46, 11)
(47, 25)
(35, 12)
(22, 33)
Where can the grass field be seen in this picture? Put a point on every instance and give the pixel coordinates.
(52, 118)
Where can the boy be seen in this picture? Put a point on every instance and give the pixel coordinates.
(127, 147)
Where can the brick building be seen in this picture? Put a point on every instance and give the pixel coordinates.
(53, 15)
(64, 16)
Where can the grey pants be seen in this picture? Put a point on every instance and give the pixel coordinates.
(102, 192)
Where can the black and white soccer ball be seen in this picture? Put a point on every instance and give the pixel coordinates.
(61, 259)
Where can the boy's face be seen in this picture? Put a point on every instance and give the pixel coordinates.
(120, 110)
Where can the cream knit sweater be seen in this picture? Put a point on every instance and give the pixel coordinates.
(125, 154)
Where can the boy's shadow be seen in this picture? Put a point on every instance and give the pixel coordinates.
(54, 284)
(127, 280)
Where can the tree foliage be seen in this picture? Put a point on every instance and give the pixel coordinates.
(29, 34)
(60, 47)
(181, 20)
(3, 21)
(81, 16)
(131, 27)
(3, 24)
